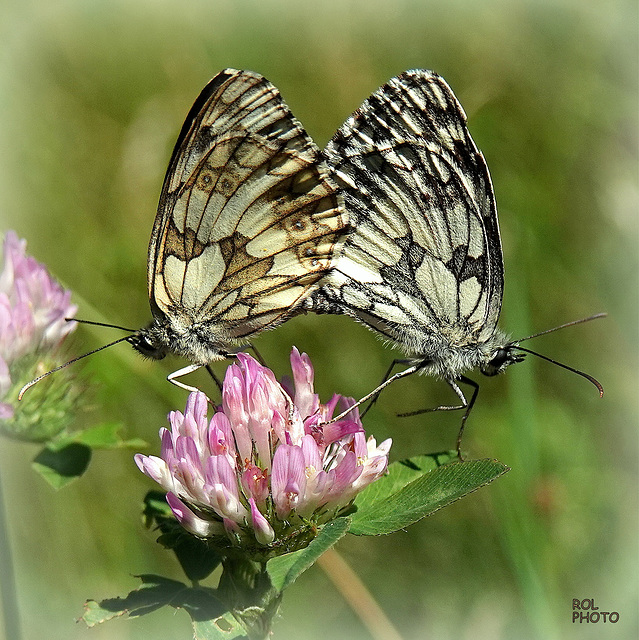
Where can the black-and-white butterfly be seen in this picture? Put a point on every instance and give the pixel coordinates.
(246, 226)
(423, 263)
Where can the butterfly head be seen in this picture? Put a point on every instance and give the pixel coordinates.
(511, 352)
(500, 359)
(178, 335)
(147, 342)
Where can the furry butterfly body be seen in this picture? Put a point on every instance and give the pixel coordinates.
(246, 226)
(423, 263)
(423, 266)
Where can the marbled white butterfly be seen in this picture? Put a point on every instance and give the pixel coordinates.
(246, 226)
(423, 264)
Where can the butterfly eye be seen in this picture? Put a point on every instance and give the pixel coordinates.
(499, 360)
(141, 343)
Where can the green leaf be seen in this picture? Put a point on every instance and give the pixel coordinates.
(59, 467)
(102, 436)
(95, 614)
(107, 436)
(225, 627)
(155, 592)
(400, 474)
(285, 569)
(416, 488)
(211, 619)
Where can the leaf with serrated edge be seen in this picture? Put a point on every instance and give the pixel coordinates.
(425, 495)
(225, 627)
(401, 473)
(95, 614)
(101, 436)
(285, 569)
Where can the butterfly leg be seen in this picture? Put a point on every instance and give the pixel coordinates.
(215, 378)
(172, 377)
(469, 406)
(464, 405)
(375, 392)
(444, 407)
(258, 355)
(246, 347)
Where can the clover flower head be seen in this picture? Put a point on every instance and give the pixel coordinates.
(33, 308)
(269, 462)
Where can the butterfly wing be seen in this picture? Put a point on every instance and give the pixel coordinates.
(248, 217)
(425, 254)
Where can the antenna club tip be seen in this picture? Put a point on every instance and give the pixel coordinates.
(31, 384)
(24, 390)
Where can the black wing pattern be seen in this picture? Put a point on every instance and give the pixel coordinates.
(424, 258)
(248, 217)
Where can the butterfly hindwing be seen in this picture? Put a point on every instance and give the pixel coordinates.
(425, 254)
(248, 217)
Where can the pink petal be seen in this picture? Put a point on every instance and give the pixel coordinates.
(197, 406)
(5, 377)
(305, 399)
(264, 533)
(190, 521)
(6, 411)
(288, 479)
(311, 453)
(156, 469)
(344, 474)
(255, 483)
(334, 431)
(185, 449)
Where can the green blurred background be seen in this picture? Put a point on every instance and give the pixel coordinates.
(92, 96)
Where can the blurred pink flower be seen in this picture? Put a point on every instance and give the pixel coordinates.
(265, 465)
(33, 307)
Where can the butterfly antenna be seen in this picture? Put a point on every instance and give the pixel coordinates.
(66, 364)
(562, 326)
(100, 324)
(565, 366)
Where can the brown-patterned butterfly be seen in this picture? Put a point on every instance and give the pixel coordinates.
(246, 226)
(423, 264)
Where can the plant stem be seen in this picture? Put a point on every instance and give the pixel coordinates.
(348, 583)
(9, 601)
(246, 589)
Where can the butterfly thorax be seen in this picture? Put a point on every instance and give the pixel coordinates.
(450, 356)
(195, 342)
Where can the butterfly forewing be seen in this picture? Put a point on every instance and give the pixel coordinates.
(425, 254)
(248, 217)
